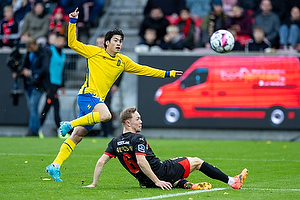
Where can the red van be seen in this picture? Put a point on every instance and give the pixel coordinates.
(260, 87)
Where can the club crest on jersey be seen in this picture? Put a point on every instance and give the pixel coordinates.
(119, 62)
(141, 148)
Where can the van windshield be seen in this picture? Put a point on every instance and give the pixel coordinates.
(196, 77)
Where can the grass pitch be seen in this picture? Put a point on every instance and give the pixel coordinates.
(273, 170)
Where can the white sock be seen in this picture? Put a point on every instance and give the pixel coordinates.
(230, 180)
(56, 165)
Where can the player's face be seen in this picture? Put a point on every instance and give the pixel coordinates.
(136, 122)
(114, 45)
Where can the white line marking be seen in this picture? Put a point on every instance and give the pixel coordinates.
(270, 189)
(178, 194)
(214, 189)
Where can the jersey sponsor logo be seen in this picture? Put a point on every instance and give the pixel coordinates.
(119, 62)
(124, 149)
(122, 143)
(141, 148)
(89, 106)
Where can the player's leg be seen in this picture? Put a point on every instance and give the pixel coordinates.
(49, 102)
(95, 109)
(183, 163)
(215, 173)
(46, 109)
(66, 149)
(55, 103)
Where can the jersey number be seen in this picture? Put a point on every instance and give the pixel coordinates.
(132, 166)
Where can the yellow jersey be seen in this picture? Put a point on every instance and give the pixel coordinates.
(103, 69)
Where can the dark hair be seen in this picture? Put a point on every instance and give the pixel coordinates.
(111, 33)
(186, 9)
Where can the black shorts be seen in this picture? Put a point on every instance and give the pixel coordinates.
(171, 171)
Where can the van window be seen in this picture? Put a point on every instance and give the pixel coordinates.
(196, 77)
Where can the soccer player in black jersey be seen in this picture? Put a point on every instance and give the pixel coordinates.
(137, 157)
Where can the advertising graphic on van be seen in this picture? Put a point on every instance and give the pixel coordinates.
(264, 88)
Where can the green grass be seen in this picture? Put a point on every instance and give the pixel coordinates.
(273, 169)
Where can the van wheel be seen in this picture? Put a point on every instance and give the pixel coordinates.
(172, 114)
(276, 116)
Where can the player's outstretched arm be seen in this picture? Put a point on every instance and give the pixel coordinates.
(145, 167)
(98, 169)
(84, 50)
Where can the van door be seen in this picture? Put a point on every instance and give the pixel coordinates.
(196, 92)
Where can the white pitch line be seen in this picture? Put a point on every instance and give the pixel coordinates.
(270, 189)
(215, 189)
(178, 194)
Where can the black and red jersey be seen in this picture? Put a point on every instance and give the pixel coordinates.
(126, 146)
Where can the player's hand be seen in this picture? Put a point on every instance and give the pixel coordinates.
(90, 186)
(179, 73)
(164, 185)
(74, 14)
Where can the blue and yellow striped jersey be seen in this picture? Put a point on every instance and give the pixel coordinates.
(103, 69)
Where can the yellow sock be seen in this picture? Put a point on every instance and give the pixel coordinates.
(65, 150)
(88, 119)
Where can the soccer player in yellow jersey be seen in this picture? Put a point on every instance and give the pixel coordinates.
(104, 66)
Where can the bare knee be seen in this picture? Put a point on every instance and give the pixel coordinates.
(195, 163)
(105, 117)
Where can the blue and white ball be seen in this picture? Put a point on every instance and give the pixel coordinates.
(222, 41)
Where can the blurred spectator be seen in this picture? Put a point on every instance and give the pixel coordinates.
(36, 24)
(51, 39)
(156, 21)
(198, 8)
(70, 5)
(186, 28)
(237, 44)
(21, 8)
(49, 6)
(36, 80)
(249, 5)
(212, 22)
(58, 25)
(10, 30)
(258, 43)
(289, 32)
(150, 43)
(100, 41)
(94, 13)
(227, 6)
(280, 8)
(56, 72)
(170, 8)
(240, 21)
(269, 21)
(173, 39)
(3, 3)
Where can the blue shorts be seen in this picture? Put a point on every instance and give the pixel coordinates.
(86, 103)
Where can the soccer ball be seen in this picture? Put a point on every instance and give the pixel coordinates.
(222, 41)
